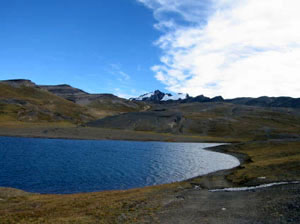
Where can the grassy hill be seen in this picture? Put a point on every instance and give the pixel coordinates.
(31, 104)
(99, 105)
(22, 101)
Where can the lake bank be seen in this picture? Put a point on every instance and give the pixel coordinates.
(89, 133)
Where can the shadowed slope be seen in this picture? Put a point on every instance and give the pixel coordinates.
(210, 119)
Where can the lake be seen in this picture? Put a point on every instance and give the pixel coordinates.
(72, 166)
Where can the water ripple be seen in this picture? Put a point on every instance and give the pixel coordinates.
(71, 166)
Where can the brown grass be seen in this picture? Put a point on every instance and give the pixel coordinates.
(102, 207)
(274, 160)
(38, 105)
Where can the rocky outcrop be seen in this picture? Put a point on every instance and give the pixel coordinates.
(65, 91)
(268, 101)
(156, 120)
(19, 82)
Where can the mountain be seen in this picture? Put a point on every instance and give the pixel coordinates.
(158, 96)
(22, 100)
(98, 104)
(264, 101)
(268, 101)
(19, 83)
(65, 91)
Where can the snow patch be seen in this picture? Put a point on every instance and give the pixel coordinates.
(166, 96)
(254, 187)
(147, 95)
(179, 96)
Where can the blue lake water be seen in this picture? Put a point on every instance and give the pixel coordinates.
(71, 166)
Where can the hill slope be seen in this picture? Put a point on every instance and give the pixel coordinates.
(210, 119)
(31, 104)
(23, 101)
(100, 105)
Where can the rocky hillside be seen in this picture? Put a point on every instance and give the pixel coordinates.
(268, 101)
(65, 91)
(210, 119)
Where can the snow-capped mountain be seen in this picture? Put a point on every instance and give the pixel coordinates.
(178, 96)
(158, 96)
(144, 96)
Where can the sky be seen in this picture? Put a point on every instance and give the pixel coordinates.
(232, 48)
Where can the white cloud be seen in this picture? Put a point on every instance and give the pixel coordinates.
(170, 13)
(230, 48)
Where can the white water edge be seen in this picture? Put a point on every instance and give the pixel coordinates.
(221, 160)
(254, 187)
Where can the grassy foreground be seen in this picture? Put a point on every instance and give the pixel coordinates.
(270, 161)
(275, 160)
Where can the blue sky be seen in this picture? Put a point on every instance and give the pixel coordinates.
(99, 46)
(231, 48)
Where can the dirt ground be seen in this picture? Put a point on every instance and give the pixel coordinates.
(277, 204)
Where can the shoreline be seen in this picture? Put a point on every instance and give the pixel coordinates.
(89, 133)
(124, 139)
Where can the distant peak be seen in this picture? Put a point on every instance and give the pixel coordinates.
(64, 85)
(158, 96)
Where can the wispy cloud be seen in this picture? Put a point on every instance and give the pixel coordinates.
(174, 13)
(115, 69)
(229, 47)
(123, 85)
(127, 93)
(124, 75)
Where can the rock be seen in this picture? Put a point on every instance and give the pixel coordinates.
(19, 82)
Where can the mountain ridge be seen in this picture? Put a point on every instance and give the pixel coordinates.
(22, 100)
(83, 98)
(263, 101)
